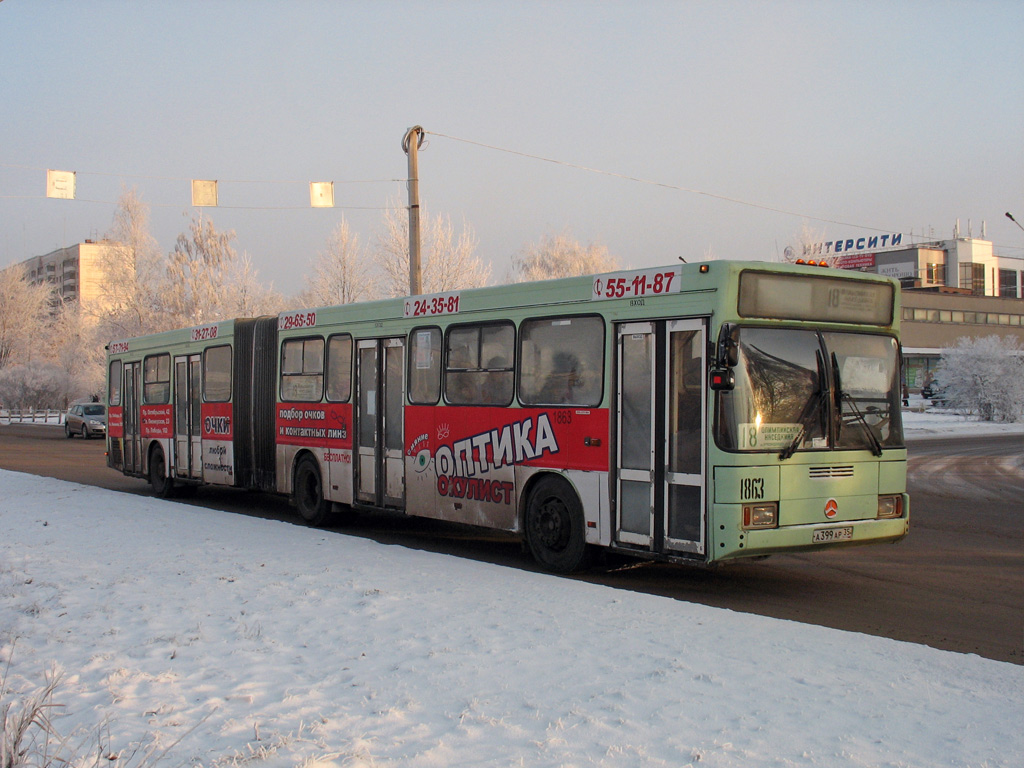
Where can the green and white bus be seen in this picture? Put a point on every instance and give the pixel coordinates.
(692, 413)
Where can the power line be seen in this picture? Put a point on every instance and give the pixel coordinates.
(219, 207)
(662, 184)
(189, 178)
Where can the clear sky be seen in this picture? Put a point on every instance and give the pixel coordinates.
(859, 117)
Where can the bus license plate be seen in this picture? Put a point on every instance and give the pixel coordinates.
(823, 535)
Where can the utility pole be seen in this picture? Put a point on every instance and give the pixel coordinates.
(411, 143)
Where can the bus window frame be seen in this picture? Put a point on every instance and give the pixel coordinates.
(146, 383)
(282, 375)
(480, 369)
(438, 369)
(602, 370)
(328, 357)
(206, 378)
(819, 330)
(114, 382)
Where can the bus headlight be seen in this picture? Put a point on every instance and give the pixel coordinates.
(890, 506)
(760, 515)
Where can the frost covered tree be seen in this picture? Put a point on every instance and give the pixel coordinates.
(133, 270)
(245, 295)
(342, 273)
(560, 256)
(75, 343)
(35, 384)
(24, 312)
(197, 274)
(984, 376)
(448, 261)
(807, 240)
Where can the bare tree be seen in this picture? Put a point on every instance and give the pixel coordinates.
(197, 272)
(809, 246)
(560, 256)
(449, 262)
(245, 295)
(984, 376)
(35, 384)
(24, 312)
(76, 345)
(342, 274)
(132, 269)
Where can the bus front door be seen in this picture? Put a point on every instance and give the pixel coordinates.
(132, 438)
(660, 486)
(188, 452)
(380, 396)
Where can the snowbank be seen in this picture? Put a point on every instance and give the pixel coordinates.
(936, 422)
(247, 640)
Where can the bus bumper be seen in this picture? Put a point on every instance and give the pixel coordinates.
(730, 541)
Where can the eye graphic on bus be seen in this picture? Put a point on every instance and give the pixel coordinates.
(423, 460)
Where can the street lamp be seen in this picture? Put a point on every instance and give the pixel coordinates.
(1010, 217)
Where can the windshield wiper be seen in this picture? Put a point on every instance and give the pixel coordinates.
(811, 407)
(876, 446)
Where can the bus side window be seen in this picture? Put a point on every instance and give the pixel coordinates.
(302, 370)
(217, 374)
(156, 379)
(480, 365)
(562, 361)
(425, 366)
(339, 368)
(114, 383)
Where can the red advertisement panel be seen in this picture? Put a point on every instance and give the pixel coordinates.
(115, 421)
(218, 423)
(466, 442)
(327, 425)
(857, 261)
(157, 421)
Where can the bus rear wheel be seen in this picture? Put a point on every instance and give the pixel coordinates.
(163, 486)
(555, 527)
(309, 493)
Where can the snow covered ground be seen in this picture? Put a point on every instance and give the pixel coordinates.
(205, 638)
(937, 422)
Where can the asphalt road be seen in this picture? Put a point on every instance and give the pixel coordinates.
(956, 582)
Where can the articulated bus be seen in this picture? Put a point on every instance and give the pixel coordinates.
(694, 413)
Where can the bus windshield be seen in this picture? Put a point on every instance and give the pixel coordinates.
(809, 390)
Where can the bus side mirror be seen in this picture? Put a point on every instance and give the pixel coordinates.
(727, 355)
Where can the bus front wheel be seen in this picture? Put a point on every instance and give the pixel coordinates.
(554, 526)
(309, 493)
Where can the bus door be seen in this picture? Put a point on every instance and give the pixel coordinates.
(380, 383)
(660, 486)
(132, 451)
(188, 451)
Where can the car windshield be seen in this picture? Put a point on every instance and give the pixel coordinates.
(94, 410)
(805, 390)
